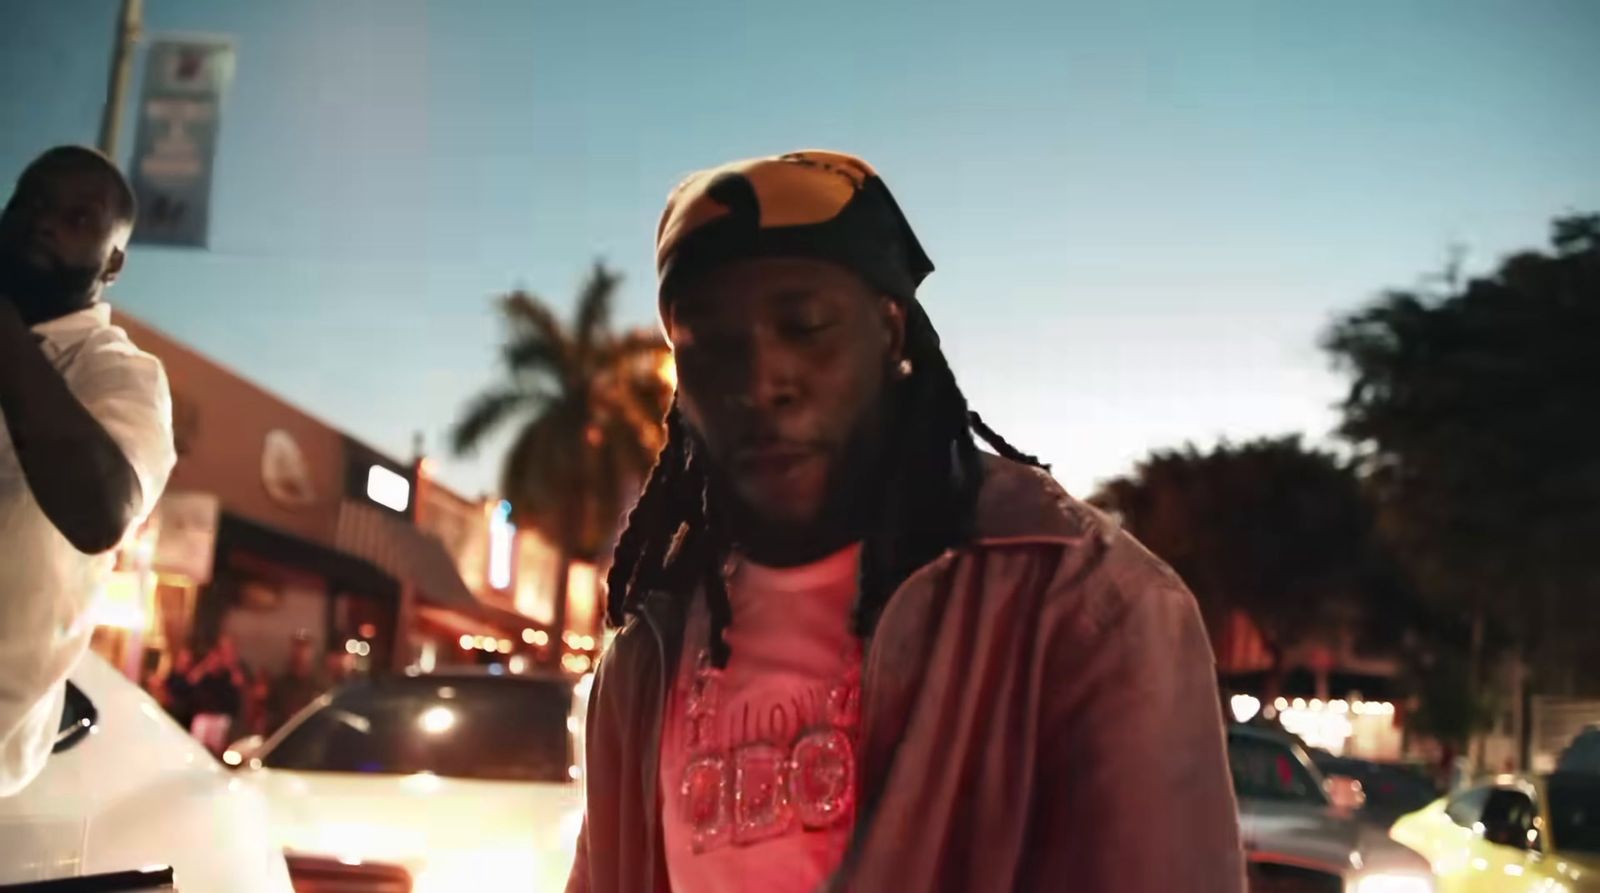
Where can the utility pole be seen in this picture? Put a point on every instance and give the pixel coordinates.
(128, 25)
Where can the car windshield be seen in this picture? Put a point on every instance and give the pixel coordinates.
(1575, 812)
(1264, 769)
(502, 729)
(1390, 788)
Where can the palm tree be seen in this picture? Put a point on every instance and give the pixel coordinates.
(590, 401)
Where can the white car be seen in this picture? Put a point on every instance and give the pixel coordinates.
(127, 789)
(448, 781)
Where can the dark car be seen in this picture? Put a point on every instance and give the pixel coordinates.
(1392, 789)
(1583, 754)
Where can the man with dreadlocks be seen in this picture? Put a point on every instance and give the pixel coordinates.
(856, 651)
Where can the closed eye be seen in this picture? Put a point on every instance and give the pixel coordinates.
(799, 329)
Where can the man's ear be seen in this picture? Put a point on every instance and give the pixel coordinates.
(114, 265)
(894, 322)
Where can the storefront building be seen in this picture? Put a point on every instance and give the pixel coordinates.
(1322, 688)
(510, 570)
(276, 526)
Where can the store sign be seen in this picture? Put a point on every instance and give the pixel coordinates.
(285, 472)
(176, 143)
(502, 541)
(186, 535)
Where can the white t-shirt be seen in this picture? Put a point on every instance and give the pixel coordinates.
(47, 585)
(770, 775)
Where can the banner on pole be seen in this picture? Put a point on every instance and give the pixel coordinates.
(177, 138)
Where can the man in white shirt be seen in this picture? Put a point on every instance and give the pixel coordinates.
(86, 447)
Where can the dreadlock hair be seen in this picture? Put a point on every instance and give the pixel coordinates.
(673, 537)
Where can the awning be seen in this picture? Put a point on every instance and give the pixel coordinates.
(476, 623)
(419, 558)
(340, 568)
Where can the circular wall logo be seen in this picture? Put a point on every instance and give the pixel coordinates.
(285, 472)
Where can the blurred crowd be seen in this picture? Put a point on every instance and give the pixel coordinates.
(220, 698)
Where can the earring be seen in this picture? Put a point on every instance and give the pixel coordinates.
(903, 369)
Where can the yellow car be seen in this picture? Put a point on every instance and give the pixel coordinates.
(1512, 835)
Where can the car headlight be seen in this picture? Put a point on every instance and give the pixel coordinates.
(1395, 883)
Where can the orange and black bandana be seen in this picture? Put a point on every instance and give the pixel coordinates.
(823, 205)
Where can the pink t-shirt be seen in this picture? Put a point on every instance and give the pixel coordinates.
(758, 789)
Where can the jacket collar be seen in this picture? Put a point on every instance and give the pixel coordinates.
(1019, 503)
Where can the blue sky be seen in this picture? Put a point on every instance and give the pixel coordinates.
(1142, 214)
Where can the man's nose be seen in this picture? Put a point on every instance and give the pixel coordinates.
(770, 381)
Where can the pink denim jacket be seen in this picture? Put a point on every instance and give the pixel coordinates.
(1039, 712)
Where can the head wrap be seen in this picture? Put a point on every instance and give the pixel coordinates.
(812, 204)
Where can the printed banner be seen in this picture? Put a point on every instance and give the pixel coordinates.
(177, 139)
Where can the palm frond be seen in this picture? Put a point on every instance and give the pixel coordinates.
(591, 403)
(485, 413)
(531, 319)
(593, 316)
(634, 344)
(533, 356)
(633, 358)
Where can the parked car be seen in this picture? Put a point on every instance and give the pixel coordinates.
(127, 788)
(1583, 754)
(441, 780)
(1515, 834)
(1391, 789)
(1300, 831)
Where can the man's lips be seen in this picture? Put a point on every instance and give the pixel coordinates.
(774, 458)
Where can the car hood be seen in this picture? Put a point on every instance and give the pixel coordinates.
(1580, 870)
(138, 790)
(1317, 836)
(427, 823)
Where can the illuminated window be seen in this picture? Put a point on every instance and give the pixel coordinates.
(388, 489)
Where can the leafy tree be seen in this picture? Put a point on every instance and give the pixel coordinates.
(1475, 412)
(1450, 708)
(590, 402)
(1268, 527)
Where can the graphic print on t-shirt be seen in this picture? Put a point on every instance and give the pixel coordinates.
(755, 781)
(758, 765)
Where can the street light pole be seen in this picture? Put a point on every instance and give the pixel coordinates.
(128, 25)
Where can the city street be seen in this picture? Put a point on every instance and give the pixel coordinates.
(521, 446)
